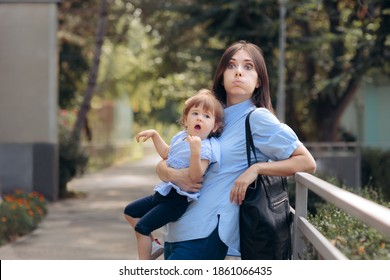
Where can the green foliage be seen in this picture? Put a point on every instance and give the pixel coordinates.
(353, 238)
(137, 66)
(330, 45)
(76, 41)
(20, 213)
(72, 69)
(72, 160)
(160, 52)
(375, 170)
(193, 30)
(333, 44)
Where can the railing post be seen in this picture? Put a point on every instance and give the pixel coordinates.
(301, 195)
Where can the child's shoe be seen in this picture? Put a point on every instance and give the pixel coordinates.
(157, 249)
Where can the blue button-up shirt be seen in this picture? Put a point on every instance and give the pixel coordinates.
(273, 140)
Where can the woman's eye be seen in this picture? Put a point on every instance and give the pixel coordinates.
(230, 66)
(248, 66)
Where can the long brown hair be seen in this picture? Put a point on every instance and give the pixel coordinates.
(261, 95)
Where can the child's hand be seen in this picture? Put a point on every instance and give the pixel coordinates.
(146, 134)
(195, 143)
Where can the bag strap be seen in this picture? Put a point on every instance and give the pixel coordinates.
(250, 145)
(249, 140)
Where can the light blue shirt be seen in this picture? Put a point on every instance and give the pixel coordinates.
(179, 157)
(273, 140)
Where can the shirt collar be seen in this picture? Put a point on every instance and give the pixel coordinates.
(238, 110)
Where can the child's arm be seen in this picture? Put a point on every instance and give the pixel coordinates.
(198, 166)
(159, 144)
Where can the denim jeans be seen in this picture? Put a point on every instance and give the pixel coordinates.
(209, 248)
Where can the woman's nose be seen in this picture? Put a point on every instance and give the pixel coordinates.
(238, 72)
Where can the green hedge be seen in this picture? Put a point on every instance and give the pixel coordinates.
(375, 170)
(353, 238)
(73, 161)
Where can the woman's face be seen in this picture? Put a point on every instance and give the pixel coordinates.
(240, 78)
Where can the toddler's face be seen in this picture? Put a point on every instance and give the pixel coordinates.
(200, 122)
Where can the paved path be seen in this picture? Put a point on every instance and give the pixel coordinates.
(93, 227)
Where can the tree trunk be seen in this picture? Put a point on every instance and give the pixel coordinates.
(326, 125)
(86, 104)
(328, 116)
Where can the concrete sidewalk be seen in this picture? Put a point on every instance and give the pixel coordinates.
(93, 227)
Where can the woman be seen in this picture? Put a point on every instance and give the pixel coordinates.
(210, 225)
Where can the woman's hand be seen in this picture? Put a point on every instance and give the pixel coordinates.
(180, 177)
(237, 194)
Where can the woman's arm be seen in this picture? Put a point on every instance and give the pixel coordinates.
(300, 161)
(180, 177)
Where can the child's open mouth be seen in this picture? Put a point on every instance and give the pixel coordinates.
(197, 127)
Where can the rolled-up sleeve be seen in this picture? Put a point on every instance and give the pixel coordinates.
(274, 140)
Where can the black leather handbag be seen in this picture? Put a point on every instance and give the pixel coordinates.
(265, 218)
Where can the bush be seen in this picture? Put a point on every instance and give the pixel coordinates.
(375, 170)
(353, 238)
(20, 213)
(72, 161)
(73, 158)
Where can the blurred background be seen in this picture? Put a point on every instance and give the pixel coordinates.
(78, 79)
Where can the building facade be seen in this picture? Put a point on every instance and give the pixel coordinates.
(28, 97)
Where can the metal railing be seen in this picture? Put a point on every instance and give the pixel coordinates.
(370, 213)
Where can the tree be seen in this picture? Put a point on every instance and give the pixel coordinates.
(73, 61)
(330, 46)
(72, 68)
(100, 32)
(333, 45)
(133, 62)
